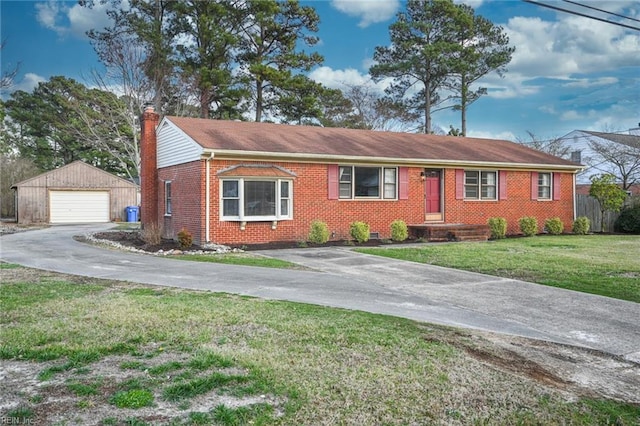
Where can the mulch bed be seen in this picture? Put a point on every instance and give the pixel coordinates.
(133, 239)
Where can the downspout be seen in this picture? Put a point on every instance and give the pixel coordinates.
(575, 204)
(207, 198)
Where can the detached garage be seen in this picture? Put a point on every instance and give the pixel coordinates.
(75, 193)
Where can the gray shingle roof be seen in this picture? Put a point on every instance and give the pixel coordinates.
(630, 140)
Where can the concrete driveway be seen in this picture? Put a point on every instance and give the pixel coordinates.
(345, 279)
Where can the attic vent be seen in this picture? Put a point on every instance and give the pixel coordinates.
(576, 156)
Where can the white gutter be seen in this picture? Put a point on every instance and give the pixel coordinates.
(419, 162)
(575, 204)
(207, 202)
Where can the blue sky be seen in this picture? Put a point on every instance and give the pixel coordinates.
(567, 73)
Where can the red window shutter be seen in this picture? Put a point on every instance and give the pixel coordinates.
(556, 186)
(459, 184)
(403, 181)
(332, 178)
(502, 182)
(534, 185)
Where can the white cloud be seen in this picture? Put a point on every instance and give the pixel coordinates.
(571, 115)
(587, 82)
(561, 50)
(47, 14)
(568, 46)
(548, 109)
(28, 82)
(506, 135)
(75, 20)
(369, 11)
(473, 3)
(341, 79)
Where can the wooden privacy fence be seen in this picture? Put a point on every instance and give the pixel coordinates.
(588, 206)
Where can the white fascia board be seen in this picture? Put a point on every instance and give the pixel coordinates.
(409, 162)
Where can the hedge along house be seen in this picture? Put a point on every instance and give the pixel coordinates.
(243, 182)
(74, 193)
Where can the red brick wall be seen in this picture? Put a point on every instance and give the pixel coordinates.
(310, 202)
(148, 172)
(517, 204)
(187, 199)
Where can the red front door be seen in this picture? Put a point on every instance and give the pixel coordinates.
(432, 188)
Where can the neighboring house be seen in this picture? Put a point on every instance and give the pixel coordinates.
(581, 149)
(75, 193)
(243, 182)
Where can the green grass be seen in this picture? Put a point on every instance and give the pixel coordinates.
(84, 389)
(243, 259)
(314, 365)
(597, 264)
(134, 398)
(4, 265)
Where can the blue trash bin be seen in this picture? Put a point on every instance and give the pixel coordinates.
(132, 213)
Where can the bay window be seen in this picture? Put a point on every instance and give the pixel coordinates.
(248, 199)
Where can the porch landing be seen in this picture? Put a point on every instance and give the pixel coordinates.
(450, 231)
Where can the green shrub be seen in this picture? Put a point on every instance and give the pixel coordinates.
(498, 227)
(581, 225)
(399, 230)
(359, 231)
(185, 239)
(528, 225)
(554, 226)
(319, 232)
(629, 220)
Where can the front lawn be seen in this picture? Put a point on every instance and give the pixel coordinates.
(608, 265)
(78, 350)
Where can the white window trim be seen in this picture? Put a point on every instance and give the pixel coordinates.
(550, 198)
(479, 186)
(168, 201)
(241, 216)
(381, 184)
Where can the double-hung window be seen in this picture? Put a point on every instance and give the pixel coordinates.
(544, 186)
(368, 182)
(480, 185)
(248, 199)
(167, 198)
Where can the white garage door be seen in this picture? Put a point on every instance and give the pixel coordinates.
(79, 206)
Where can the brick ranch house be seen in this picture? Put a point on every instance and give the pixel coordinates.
(234, 182)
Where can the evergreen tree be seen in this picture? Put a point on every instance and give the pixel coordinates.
(268, 58)
(482, 48)
(423, 39)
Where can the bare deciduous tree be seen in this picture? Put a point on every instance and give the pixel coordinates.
(13, 170)
(620, 158)
(6, 80)
(555, 146)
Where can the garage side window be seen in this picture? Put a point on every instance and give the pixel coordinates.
(167, 198)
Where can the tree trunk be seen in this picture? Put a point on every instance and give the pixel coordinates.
(259, 101)
(427, 107)
(463, 104)
(204, 103)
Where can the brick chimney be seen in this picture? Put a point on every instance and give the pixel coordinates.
(149, 167)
